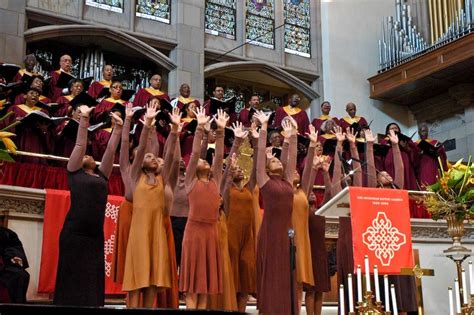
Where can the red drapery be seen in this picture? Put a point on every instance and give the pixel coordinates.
(56, 207)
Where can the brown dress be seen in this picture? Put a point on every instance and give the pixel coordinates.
(147, 262)
(319, 254)
(240, 225)
(304, 264)
(201, 262)
(121, 239)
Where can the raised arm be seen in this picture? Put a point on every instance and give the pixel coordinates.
(171, 144)
(75, 160)
(337, 171)
(107, 162)
(227, 181)
(216, 168)
(369, 155)
(239, 135)
(124, 159)
(205, 139)
(325, 164)
(262, 177)
(151, 112)
(306, 183)
(399, 179)
(285, 151)
(153, 145)
(202, 119)
(357, 167)
(253, 175)
(290, 128)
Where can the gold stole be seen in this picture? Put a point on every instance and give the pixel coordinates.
(350, 120)
(291, 110)
(153, 91)
(28, 109)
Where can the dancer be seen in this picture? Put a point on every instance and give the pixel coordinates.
(80, 278)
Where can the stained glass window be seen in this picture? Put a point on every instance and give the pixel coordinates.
(297, 27)
(111, 5)
(220, 18)
(260, 23)
(158, 10)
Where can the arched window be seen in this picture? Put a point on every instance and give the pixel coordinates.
(260, 23)
(115, 6)
(220, 18)
(158, 10)
(297, 27)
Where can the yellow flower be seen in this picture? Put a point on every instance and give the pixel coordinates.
(9, 144)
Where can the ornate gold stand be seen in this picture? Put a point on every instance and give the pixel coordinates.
(369, 307)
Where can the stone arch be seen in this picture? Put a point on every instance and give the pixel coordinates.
(55, 31)
(262, 67)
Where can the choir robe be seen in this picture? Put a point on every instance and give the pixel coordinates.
(54, 90)
(326, 136)
(186, 140)
(63, 106)
(348, 121)
(297, 113)
(181, 101)
(104, 106)
(427, 167)
(244, 117)
(318, 122)
(21, 99)
(143, 95)
(65, 143)
(29, 138)
(100, 138)
(97, 86)
(408, 168)
(19, 75)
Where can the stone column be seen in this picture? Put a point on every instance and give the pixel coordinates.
(189, 53)
(12, 27)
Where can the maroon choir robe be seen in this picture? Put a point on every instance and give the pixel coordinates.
(427, 167)
(348, 121)
(180, 102)
(97, 86)
(100, 138)
(408, 168)
(297, 113)
(63, 105)
(244, 117)
(19, 75)
(21, 99)
(105, 105)
(318, 122)
(143, 95)
(54, 90)
(186, 140)
(30, 138)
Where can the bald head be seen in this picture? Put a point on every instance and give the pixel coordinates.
(65, 62)
(155, 81)
(351, 109)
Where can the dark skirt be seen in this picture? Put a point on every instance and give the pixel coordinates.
(80, 278)
(319, 254)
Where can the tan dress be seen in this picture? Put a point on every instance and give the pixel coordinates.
(147, 262)
(299, 217)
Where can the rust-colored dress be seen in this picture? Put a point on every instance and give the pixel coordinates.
(147, 262)
(201, 262)
(304, 264)
(240, 224)
(121, 239)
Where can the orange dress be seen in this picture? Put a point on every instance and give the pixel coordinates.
(147, 262)
(240, 225)
(121, 239)
(299, 218)
(201, 261)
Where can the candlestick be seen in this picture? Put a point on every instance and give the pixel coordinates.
(376, 281)
(451, 306)
(359, 284)
(341, 299)
(464, 286)
(351, 297)
(367, 273)
(457, 296)
(387, 295)
(394, 300)
(471, 279)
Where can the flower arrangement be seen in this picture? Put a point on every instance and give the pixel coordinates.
(453, 193)
(6, 144)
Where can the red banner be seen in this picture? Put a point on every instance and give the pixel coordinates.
(55, 210)
(381, 228)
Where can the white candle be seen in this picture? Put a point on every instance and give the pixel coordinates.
(464, 287)
(359, 284)
(367, 273)
(457, 296)
(341, 299)
(376, 281)
(394, 300)
(387, 294)
(451, 306)
(471, 279)
(351, 297)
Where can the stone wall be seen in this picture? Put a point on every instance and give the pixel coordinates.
(12, 26)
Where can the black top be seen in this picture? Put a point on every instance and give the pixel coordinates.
(88, 202)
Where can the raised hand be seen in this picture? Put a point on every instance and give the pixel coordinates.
(350, 135)
(253, 130)
(239, 131)
(313, 134)
(85, 110)
(129, 110)
(222, 119)
(117, 120)
(326, 163)
(339, 134)
(207, 126)
(262, 117)
(287, 128)
(317, 162)
(393, 137)
(175, 116)
(201, 117)
(369, 136)
(151, 112)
